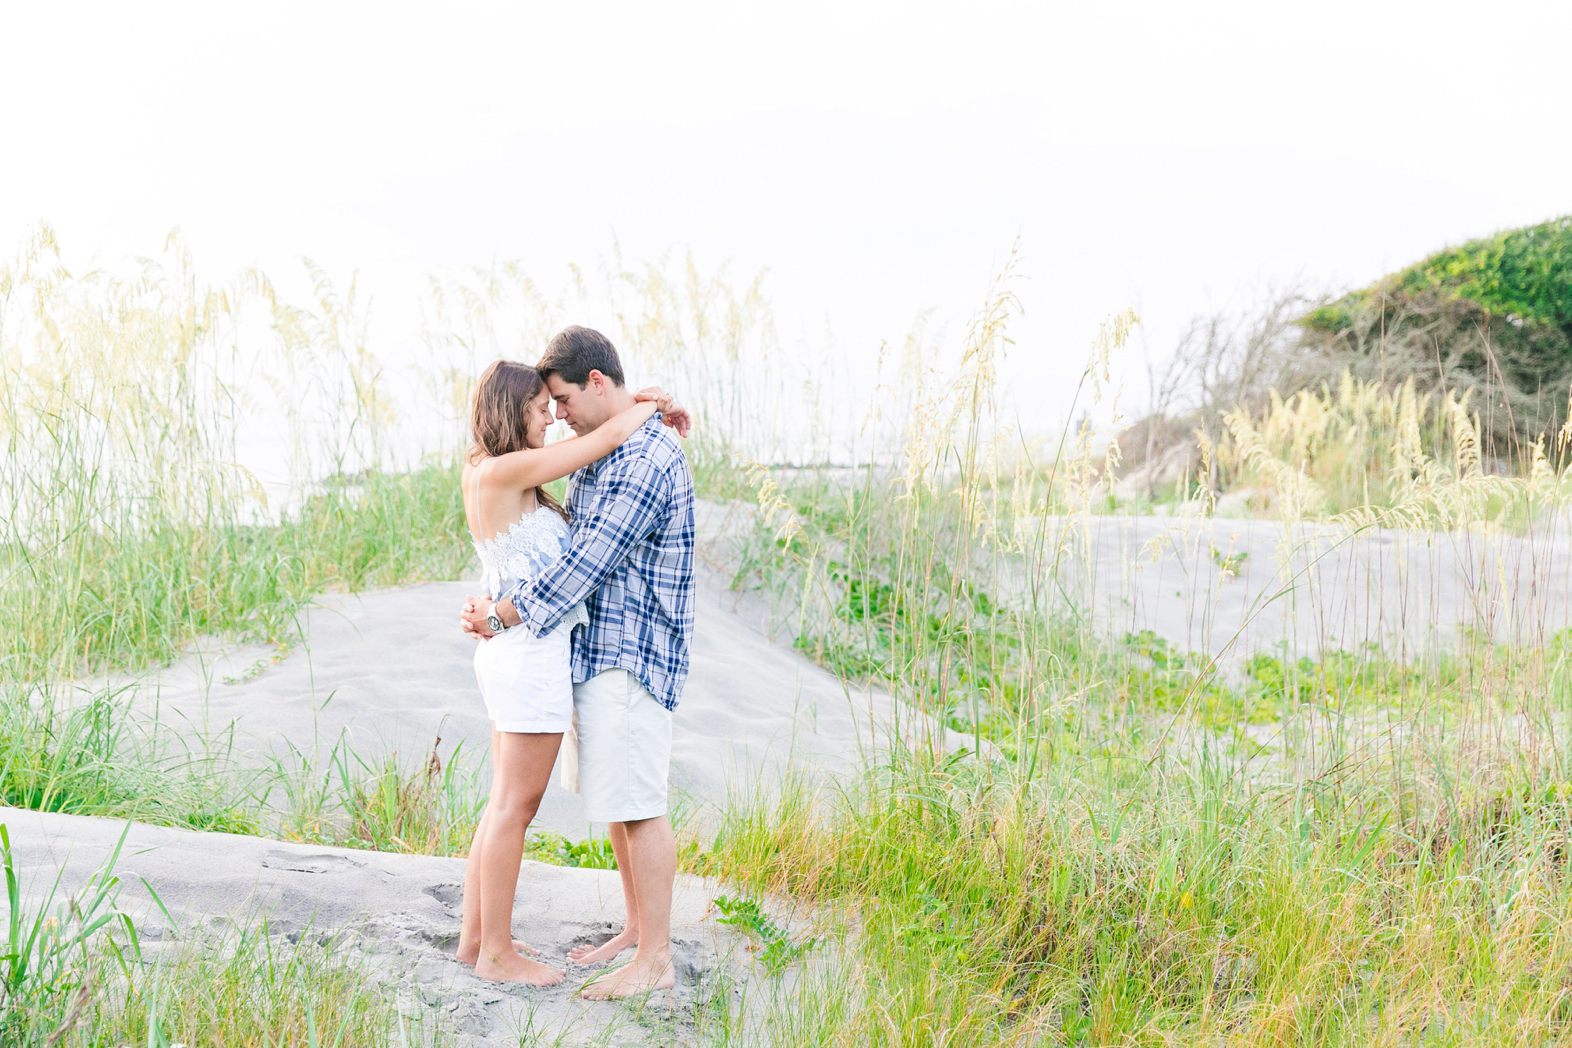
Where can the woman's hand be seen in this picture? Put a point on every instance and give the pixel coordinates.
(672, 414)
(472, 617)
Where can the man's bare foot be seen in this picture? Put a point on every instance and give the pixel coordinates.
(518, 969)
(639, 976)
(467, 954)
(588, 954)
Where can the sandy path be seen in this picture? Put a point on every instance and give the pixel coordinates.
(390, 670)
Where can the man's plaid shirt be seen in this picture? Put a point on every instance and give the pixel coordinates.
(631, 564)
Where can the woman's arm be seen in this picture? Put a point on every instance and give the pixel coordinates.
(535, 466)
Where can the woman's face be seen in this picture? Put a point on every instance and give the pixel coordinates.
(537, 416)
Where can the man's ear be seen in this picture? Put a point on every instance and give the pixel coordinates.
(597, 380)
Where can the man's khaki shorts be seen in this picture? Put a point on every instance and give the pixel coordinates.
(622, 746)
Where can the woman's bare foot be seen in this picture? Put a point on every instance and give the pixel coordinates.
(640, 975)
(587, 954)
(518, 969)
(467, 954)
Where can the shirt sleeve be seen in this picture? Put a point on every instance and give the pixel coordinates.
(634, 503)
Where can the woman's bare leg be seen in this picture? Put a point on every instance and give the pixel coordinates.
(469, 921)
(521, 768)
(469, 928)
(629, 936)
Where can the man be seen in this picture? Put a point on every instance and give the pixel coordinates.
(631, 563)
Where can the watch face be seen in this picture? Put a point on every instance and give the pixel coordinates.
(494, 622)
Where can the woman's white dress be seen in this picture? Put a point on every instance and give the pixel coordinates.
(527, 682)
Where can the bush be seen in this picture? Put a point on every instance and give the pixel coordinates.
(1493, 314)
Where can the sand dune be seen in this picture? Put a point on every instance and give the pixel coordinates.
(1238, 587)
(390, 671)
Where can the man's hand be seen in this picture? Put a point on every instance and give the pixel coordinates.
(672, 414)
(472, 619)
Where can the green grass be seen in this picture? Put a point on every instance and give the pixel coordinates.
(133, 598)
(422, 804)
(1119, 901)
(101, 757)
(1141, 845)
(96, 758)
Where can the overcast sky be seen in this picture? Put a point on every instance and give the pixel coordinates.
(879, 158)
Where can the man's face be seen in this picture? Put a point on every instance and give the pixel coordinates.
(583, 408)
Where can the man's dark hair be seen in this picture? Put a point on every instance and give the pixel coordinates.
(576, 351)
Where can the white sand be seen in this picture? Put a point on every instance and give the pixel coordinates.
(402, 911)
(390, 671)
(1311, 590)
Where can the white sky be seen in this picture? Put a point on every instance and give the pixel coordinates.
(879, 158)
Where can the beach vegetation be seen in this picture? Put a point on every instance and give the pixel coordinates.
(1486, 321)
(1492, 314)
(772, 945)
(1086, 838)
(1086, 833)
(97, 757)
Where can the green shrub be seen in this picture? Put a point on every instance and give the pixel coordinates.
(1493, 314)
(1522, 275)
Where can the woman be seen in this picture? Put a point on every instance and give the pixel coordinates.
(526, 681)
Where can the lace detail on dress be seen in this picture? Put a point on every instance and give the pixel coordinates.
(534, 541)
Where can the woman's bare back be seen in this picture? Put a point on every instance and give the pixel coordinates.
(489, 509)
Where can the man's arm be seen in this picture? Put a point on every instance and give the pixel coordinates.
(635, 502)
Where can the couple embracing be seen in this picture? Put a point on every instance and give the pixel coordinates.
(585, 628)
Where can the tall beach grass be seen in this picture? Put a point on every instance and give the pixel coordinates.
(1148, 845)
(1139, 843)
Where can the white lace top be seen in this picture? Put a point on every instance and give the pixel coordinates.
(520, 553)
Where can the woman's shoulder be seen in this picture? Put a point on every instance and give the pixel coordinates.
(485, 473)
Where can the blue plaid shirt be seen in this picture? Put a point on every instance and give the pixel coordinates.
(631, 563)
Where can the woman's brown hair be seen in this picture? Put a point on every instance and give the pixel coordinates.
(496, 416)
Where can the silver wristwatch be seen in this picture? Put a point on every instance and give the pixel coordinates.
(493, 620)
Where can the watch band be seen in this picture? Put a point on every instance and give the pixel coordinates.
(493, 620)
